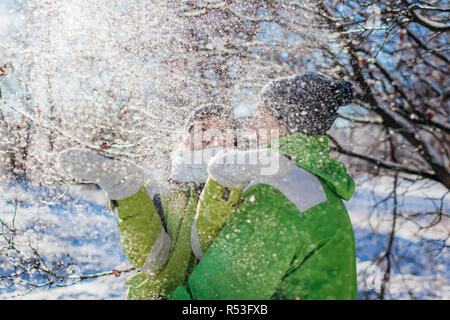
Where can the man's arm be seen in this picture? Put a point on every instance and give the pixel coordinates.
(180, 210)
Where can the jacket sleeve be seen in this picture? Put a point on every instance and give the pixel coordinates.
(179, 212)
(252, 252)
(216, 205)
(142, 236)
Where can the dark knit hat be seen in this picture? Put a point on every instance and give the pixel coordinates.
(306, 103)
(210, 110)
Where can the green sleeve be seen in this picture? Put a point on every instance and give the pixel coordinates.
(213, 211)
(139, 226)
(174, 203)
(180, 210)
(252, 252)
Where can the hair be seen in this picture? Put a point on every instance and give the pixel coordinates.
(210, 110)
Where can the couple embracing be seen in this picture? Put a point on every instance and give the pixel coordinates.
(265, 223)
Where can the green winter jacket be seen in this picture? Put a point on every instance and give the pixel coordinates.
(140, 226)
(269, 249)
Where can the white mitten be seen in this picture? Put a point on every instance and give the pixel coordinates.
(191, 165)
(118, 178)
(236, 168)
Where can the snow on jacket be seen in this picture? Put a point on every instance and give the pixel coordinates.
(278, 245)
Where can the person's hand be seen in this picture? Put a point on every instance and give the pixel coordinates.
(236, 168)
(118, 178)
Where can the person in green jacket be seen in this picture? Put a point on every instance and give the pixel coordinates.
(155, 219)
(291, 236)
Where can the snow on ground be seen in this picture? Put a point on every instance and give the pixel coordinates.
(83, 234)
(421, 265)
(109, 288)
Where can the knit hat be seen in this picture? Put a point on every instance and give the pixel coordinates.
(209, 110)
(306, 103)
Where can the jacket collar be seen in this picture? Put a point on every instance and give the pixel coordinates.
(310, 152)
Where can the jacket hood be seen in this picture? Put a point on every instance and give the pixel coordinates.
(310, 152)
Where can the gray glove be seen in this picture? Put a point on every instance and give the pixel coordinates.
(118, 178)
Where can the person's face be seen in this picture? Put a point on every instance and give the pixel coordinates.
(266, 127)
(211, 132)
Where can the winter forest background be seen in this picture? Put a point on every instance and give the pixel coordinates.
(120, 76)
